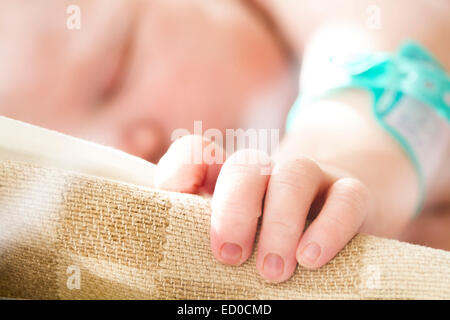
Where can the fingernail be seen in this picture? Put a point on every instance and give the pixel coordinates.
(310, 253)
(231, 253)
(273, 265)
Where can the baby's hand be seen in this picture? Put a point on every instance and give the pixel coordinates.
(284, 192)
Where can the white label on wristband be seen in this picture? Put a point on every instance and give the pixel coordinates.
(427, 133)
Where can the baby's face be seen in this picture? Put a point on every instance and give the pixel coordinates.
(136, 71)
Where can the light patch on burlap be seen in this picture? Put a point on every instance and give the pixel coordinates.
(114, 234)
(101, 279)
(28, 202)
(29, 210)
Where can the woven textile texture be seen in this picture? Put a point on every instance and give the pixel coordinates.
(130, 242)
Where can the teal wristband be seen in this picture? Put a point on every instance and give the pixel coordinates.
(411, 101)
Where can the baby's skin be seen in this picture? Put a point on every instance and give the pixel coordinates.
(338, 167)
(137, 70)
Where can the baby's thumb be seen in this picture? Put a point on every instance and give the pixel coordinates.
(191, 165)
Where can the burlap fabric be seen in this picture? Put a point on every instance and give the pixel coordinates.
(131, 242)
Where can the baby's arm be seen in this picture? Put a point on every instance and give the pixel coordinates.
(315, 28)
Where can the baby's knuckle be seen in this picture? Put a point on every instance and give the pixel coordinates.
(297, 169)
(353, 192)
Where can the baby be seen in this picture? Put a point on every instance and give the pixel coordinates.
(336, 165)
(138, 70)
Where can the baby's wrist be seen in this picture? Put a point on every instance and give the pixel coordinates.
(340, 131)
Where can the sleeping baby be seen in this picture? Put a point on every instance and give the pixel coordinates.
(366, 143)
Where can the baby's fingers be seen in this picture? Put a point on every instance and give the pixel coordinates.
(191, 165)
(292, 188)
(237, 205)
(345, 209)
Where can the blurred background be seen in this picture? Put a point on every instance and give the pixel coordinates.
(128, 73)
